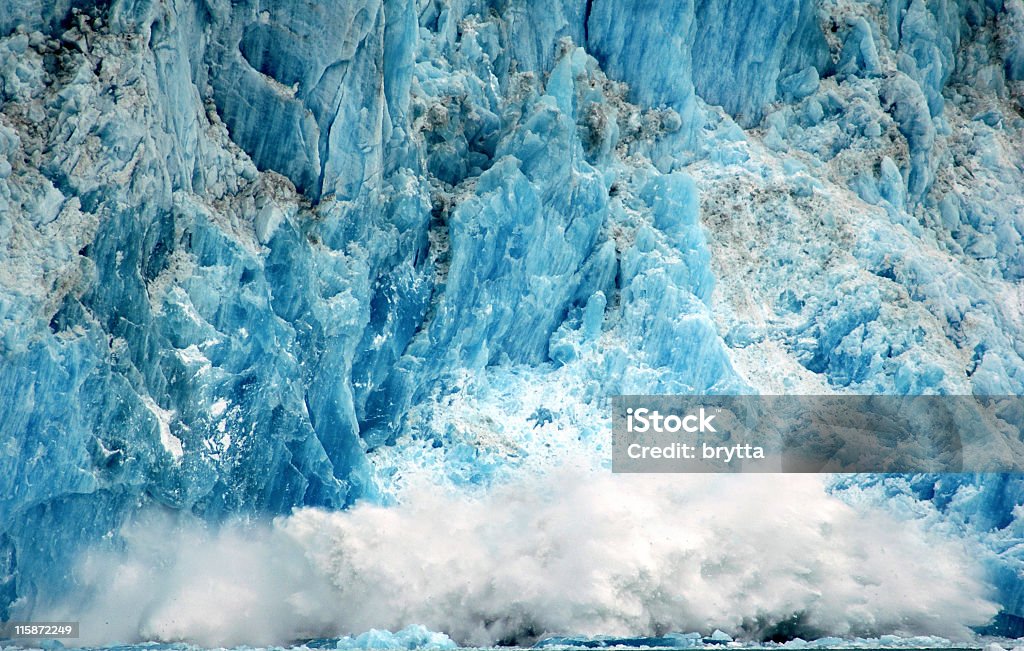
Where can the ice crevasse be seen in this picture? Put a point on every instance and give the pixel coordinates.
(267, 255)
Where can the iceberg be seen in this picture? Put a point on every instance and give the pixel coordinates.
(413, 637)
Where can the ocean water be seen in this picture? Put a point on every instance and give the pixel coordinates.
(890, 643)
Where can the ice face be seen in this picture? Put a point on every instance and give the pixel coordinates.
(267, 255)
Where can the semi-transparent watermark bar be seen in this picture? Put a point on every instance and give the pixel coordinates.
(904, 434)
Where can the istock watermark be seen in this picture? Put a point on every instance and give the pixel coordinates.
(650, 420)
(905, 434)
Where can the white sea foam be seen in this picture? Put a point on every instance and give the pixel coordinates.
(565, 554)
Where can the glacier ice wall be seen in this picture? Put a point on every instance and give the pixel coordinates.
(260, 255)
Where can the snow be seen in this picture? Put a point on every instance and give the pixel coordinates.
(164, 418)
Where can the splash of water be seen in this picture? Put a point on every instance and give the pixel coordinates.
(576, 554)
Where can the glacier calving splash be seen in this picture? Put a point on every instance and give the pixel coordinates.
(594, 555)
(271, 254)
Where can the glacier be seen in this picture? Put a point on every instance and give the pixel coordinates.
(267, 254)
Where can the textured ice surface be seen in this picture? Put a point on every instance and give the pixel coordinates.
(412, 637)
(260, 255)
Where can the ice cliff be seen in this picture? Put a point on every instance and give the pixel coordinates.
(266, 254)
